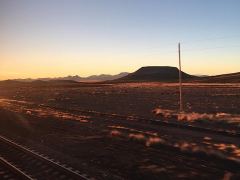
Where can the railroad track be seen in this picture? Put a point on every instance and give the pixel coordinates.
(10, 172)
(163, 121)
(19, 162)
(150, 120)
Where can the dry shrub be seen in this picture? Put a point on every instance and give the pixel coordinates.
(28, 112)
(224, 151)
(227, 176)
(153, 168)
(154, 140)
(83, 121)
(163, 112)
(219, 117)
(236, 152)
(207, 138)
(194, 116)
(184, 146)
(21, 106)
(139, 137)
(115, 133)
(133, 130)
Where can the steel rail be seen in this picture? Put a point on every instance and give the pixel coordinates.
(69, 172)
(19, 173)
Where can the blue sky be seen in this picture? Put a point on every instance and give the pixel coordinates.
(50, 38)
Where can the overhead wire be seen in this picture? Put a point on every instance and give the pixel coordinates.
(197, 48)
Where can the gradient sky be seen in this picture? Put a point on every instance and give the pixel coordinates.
(51, 38)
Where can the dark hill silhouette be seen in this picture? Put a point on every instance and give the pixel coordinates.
(155, 73)
(39, 83)
(53, 82)
(11, 82)
(223, 78)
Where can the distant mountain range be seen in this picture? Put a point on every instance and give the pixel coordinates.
(144, 74)
(93, 78)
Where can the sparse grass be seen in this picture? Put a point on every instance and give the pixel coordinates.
(218, 118)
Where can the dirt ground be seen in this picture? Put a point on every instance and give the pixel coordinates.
(121, 148)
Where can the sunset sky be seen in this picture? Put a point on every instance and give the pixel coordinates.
(52, 38)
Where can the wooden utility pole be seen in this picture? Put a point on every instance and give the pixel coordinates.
(180, 79)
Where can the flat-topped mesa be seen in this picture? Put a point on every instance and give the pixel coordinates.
(156, 73)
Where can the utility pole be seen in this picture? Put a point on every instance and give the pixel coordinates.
(180, 79)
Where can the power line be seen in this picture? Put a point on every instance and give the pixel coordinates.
(211, 48)
(172, 52)
(211, 39)
(195, 41)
